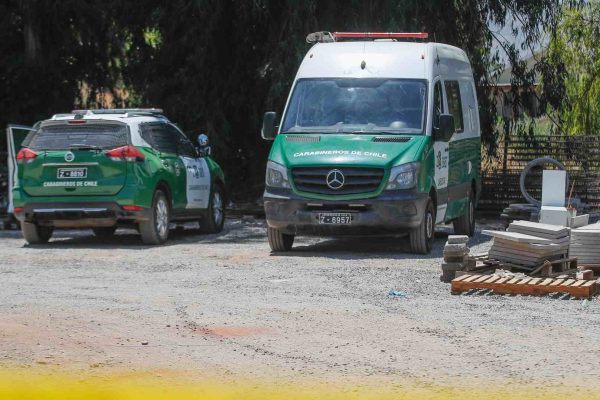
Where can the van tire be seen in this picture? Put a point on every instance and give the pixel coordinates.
(155, 231)
(422, 238)
(279, 241)
(35, 234)
(105, 231)
(215, 214)
(465, 224)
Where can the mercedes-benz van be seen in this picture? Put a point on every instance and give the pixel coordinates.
(380, 135)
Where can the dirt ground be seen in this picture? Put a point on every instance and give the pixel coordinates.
(222, 305)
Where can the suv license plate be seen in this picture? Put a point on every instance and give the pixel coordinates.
(335, 218)
(66, 173)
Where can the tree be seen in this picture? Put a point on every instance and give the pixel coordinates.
(575, 49)
(217, 65)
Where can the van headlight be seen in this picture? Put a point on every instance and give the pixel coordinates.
(403, 176)
(277, 175)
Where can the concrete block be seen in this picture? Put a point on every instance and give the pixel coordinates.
(554, 188)
(554, 215)
(457, 239)
(450, 258)
(447, 276)
(585, 274)
(453, 266)
(579, 221)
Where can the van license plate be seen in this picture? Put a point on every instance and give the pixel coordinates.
(335, 218)
(66, 173)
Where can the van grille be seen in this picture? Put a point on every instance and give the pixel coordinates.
(303, 139)
(384, 139)
(356, 180)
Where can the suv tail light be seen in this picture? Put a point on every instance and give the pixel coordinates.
(132, 208)
(126, 153)
(26, 155)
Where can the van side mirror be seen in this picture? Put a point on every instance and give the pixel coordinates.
(269, 130)
(445, 128)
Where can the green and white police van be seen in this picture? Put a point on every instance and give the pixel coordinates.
(380, 135)
(101, 169)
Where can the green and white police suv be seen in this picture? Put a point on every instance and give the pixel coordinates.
(380, 134)
(101, 169)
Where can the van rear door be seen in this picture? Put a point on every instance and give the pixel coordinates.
(70, 159)
(15, 136)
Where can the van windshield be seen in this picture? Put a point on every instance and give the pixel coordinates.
(354, 105)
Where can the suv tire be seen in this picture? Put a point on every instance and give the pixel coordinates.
(105, 231)
(422, 238)
(465, 224)
(155, 230)
(35, 234)
(215, 214)
(279, 241)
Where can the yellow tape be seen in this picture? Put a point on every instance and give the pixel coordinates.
(152, 385)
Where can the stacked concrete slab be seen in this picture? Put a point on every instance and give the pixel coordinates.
(456, 257)
(585, 244)
(529, 244)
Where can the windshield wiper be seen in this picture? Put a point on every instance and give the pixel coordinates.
(84, 147)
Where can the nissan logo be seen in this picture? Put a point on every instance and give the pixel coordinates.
(335, 179)
(69, 156)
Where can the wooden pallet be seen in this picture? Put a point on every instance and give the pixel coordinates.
(526, 286)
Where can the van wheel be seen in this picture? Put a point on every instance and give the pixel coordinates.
(156, 230)
(421, 238)
(35, 234)
(104, 232)
(279, 241)
(215, 214)
(465, 224)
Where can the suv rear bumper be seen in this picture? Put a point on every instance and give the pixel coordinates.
(390, 212)
(79, 214)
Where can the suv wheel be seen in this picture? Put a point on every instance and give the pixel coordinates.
(156, 230)
(422, 238)
(104, 232)
(465, 224)
(35, 234)
(279, 241)
(215, 215)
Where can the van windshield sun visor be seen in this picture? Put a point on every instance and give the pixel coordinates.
(351, 105)
(79, 137)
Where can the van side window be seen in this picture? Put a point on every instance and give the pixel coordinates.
(159, 137)
(455, 105)
(438, 104)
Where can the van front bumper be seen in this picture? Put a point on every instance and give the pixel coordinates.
(391, 212)
(79, 214)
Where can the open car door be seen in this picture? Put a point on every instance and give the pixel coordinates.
(15, 135)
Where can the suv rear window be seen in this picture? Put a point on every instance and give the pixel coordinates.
(65, 137)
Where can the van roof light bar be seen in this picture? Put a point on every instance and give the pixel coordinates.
(380, 35)
(329, 37)
(153, 111)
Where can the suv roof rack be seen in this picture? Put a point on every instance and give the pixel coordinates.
(128, 111)
(329, 37)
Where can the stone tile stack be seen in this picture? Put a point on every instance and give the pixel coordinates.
(529, 244)
(585, 244)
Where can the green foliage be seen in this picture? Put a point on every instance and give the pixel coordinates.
(576, 48)
(217, 65)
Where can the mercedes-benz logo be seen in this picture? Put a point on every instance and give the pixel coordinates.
(335, 179)
(69, 156)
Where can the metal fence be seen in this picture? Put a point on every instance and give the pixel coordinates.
(579, 154)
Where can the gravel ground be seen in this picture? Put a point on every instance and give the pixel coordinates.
(223, 305)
